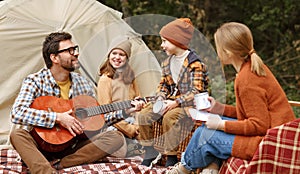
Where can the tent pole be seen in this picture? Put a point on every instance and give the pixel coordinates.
(89, 76)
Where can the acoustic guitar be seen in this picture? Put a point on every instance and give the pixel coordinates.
(85, 108)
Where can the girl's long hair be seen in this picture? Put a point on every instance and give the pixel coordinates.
(237, 38)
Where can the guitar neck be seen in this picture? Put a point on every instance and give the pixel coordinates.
(101, 109)
(96, 110)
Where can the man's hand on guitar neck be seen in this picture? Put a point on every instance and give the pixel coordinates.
(69, 122)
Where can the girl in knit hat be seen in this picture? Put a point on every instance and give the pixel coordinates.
(117, 83)
(261, 104)
(183, 75)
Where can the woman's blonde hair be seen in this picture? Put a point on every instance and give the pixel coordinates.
(237, 38)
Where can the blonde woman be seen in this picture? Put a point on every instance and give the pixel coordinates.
(261, 104)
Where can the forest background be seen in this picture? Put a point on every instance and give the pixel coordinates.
(275, 26)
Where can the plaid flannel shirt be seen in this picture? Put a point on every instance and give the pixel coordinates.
(193, 79)
(42, 83)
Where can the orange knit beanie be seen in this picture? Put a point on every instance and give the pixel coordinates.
(179, 32)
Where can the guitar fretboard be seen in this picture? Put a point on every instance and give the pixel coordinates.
(95, 110)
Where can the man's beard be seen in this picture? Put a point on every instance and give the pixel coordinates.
(73, 68)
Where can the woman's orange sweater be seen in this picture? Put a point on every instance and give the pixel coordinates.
(261, 104)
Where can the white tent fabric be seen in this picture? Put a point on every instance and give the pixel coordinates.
(24, 25)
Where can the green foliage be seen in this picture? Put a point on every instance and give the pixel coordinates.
(230, 97)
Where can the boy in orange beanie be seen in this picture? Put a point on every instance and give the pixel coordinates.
(183, 76)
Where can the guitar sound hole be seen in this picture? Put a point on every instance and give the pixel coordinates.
(81, 113)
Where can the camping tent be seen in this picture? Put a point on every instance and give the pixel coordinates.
(24, 25)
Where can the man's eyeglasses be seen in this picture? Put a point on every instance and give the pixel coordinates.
(70, 49)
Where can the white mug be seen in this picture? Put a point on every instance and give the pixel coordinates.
(201, 101)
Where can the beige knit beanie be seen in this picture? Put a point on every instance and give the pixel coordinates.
(121, 43)
(179, 32)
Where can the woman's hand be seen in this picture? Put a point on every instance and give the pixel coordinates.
(69, 122)
(212, 104)
(215, 122)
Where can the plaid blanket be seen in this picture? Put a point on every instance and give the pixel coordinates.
(10, 163)
(279, 152)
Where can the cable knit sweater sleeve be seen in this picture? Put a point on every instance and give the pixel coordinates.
(226, 110)
(253, 116)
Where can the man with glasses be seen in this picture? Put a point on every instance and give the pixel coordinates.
(59, 80)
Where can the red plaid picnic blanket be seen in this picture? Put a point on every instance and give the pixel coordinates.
(279, 152)
(10, 163)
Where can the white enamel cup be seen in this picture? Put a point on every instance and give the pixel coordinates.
(158, 107)
(201, 101)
